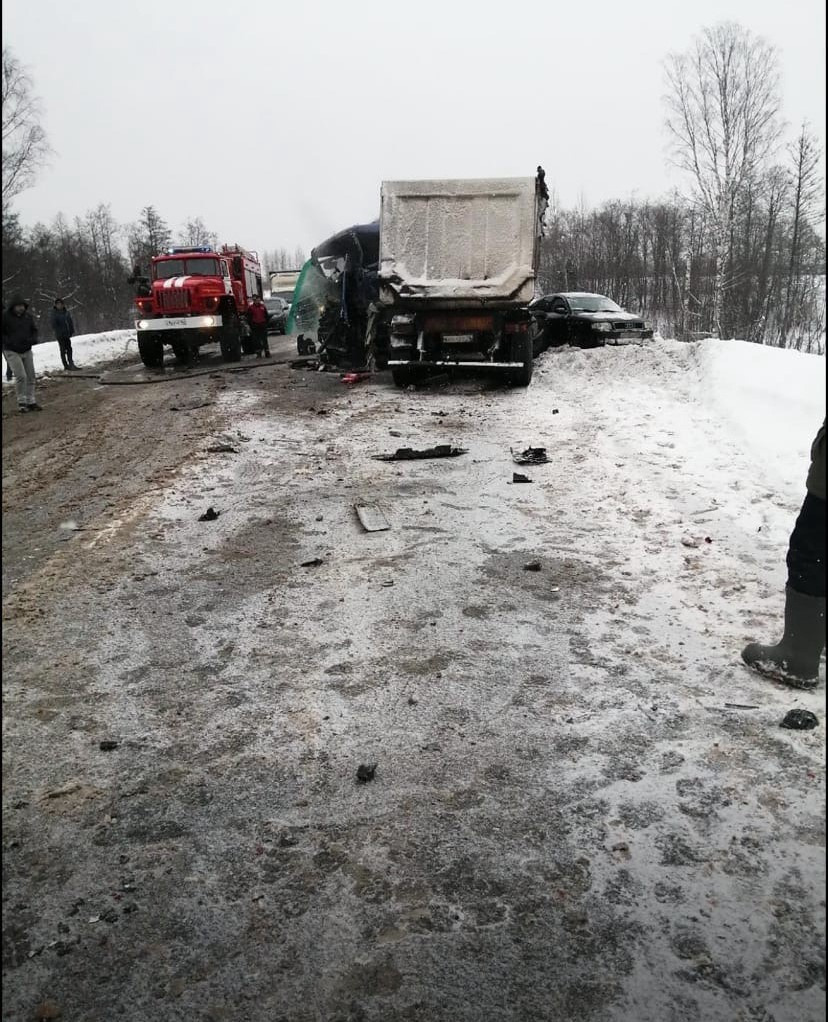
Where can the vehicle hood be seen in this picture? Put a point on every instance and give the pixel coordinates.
(600, 316)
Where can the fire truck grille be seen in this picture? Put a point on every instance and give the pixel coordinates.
(174, 299)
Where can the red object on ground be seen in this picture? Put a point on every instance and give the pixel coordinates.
(355, 377)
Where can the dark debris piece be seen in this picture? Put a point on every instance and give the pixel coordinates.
(210, 515)
(519, 477)
(222, 449)
(314, 562)
(365, 772)
(799, 720)
(107, 745)
(531, 456)
(532, 566)
(410, 454)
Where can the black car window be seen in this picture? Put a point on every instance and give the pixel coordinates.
(559, 305)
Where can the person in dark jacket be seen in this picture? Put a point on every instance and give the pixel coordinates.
(257, 316)
(64, 330)
(19, 334)
(794, 660)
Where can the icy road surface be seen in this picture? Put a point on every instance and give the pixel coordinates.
(567, 822)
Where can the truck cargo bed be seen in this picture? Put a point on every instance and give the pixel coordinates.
(458, 242)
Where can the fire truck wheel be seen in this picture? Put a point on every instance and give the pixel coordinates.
(231, 344)
(151, 351)
(182, 353)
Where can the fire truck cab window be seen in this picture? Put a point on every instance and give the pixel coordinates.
(186, 268)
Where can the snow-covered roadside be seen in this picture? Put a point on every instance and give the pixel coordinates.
(88, 349)
(772, 400)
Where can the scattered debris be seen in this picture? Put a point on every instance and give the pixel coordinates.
(740, 706)
(532, 566)
(107, 745)
(554, 411)
(210, 515)
(394, 432)
(222, 449)
(320, 518)
(371, 518)
(519, 477)
(365, 772)
(412, 701)
(799, 720)
(355, 377)
(531, 456)
(313, 563)
(409, 454)
(387, 583)
(689, 541)
(191, 407)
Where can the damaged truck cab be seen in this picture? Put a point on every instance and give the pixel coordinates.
(197, 295)
(458, 261)
(336, 301)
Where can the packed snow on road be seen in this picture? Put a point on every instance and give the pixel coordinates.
(582, 805)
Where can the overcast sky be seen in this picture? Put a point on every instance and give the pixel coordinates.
(277, 121)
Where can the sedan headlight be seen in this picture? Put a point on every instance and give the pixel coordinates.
(602, 328)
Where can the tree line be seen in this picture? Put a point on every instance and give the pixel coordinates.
(658, 258)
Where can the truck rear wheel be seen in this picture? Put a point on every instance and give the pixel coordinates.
(182, 352)
(151, 351)
(230, 343)
(522, 352)
(401, 375)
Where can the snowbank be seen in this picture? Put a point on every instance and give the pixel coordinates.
(87, 350)
(771, 399)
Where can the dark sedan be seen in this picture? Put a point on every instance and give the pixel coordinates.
(277, 314)
(588, 320)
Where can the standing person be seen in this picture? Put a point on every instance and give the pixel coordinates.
(19, 334)
(794, 660)
(257, 317)
(64, 330)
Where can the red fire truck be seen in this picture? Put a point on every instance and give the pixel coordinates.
(195, 296)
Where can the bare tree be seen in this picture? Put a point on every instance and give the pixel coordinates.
(806, 189)
(148, 236)
(25, 146)
(195, 233)
(723, 105)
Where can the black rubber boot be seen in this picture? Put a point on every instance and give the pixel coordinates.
(794, 660)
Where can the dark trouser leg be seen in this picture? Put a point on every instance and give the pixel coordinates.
(65, 352)
(806, 550)
(794, 660)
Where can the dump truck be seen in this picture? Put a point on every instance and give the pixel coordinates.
(457, 267)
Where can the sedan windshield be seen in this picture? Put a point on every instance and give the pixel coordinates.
(593, 303)
(273, 304)
(186, 268)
